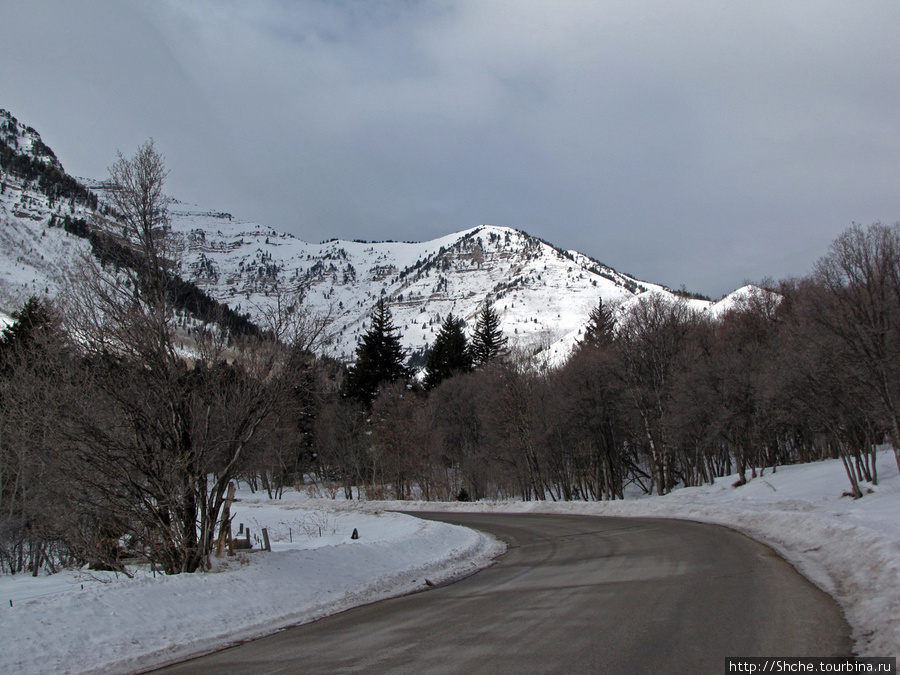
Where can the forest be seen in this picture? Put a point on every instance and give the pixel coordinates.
(120, 436)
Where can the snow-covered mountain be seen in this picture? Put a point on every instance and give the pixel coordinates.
(37, 199)
(543, 294)
(540, 292)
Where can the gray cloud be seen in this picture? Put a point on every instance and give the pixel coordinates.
(691, 143)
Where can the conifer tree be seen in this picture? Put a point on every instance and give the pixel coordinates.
(487, 340)
(599, 330)
(449, 355)
(379, 358)
(34, 316)
(36, 327)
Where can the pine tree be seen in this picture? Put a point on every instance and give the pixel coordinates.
(487, 340)
(600, 327)
(379, 358)
(34, 315)
(449, 355)
(34, 323)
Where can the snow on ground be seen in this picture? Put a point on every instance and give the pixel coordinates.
(72, 623)
(850, 548)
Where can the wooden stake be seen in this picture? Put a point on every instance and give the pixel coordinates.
(225, 524)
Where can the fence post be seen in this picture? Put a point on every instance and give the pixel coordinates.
(225, 524)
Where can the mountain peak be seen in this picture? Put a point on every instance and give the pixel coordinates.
(541, 292)
(24, 140)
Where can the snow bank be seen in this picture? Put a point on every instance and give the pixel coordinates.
(68, 623)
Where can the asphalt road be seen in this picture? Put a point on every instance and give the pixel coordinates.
(573, 594)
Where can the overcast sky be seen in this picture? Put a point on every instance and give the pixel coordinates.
(701, 144)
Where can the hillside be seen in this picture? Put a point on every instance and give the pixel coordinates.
(40, 206)
(541, 293)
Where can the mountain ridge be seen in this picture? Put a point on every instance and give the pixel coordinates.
(544, 294)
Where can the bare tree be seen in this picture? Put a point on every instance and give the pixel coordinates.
(650, 340)
(739, 350)
(464, 438)
(514, 414)
(285, 316)
(398, 442)
(820, 387)
(169, 429)
(32, 526)
(342, 445)
(860, 306)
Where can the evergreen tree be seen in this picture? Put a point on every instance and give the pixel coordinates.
(449, 355)
(33, 314)
(487, 340)
(600, 327)
(379, 358)
(34, 317)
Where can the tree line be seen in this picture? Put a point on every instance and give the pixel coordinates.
(119, 436)
(656, 395)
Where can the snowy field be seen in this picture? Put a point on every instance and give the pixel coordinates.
(849, 548)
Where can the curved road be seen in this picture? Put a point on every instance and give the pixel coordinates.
(573, 594)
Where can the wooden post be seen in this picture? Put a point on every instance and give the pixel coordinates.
(266, 543)
(225, 524)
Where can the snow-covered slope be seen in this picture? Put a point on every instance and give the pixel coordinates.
(540, 292)
(35, 248)
(543, 294)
